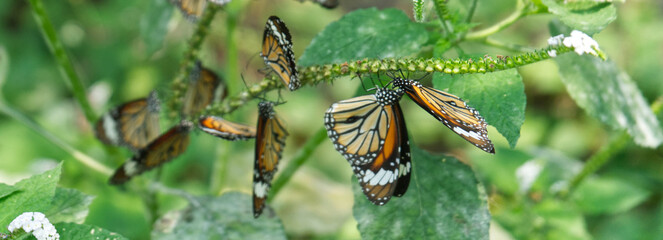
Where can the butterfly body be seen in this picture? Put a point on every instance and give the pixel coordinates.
(370, 132)
(449, 109)
(225, 129)
(277, 52)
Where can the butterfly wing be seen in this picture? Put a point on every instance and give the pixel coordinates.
(277, 52)
(369, 132)
(133, 124)
(225, 129)
(270, 142)
(405, 162)
(191, 9)
(205, 87)
(452, 111)
(163, 149)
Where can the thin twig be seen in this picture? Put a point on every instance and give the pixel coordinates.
(600, 158)
(79, 156)
(484, 33)
(58, 51)
(302, 156)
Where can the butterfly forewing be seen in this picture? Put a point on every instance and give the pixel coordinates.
(191, 9)
(277, 52)
(369, 131)
(270, 141)
(452, 111)
(163, 149)
(204, 88)
(225, 129)
(133, 124)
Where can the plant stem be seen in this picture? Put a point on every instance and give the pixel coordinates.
(58, 51)
(481, 34)
(234, 10)
(441, 9)
(219, 169)
(304, 154)
(190, 56)
(313, 75)
(470, 12)
(601, 157)
(79, 156)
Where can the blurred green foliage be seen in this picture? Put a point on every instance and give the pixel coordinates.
(124, 49)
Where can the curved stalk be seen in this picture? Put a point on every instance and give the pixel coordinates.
(64, 63)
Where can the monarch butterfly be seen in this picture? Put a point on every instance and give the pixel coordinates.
(450, 110)
(277, 52)
(370, 132)
(193, 9)
(225, 129)
(133, 124)
(163, 149)
(204, 88)
(269, 146)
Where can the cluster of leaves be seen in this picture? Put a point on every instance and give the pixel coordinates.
(65, 208)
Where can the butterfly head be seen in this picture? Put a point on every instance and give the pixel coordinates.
(153, 103)
(266, 109)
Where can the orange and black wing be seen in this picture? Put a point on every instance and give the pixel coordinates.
(204, 88)
(225, 129)
(277, 52)
(191, 9)
(133, 124)
(369, 131)
(163, 149)
(452, 111)
(270, 142)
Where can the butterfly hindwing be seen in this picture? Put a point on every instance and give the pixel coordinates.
(133, 124)
(205, 86)
(270, 141)
(163, 149)
(369, 131)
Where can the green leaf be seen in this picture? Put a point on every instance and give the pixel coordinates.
(82, 231)
(500, 170)
(589, 18)
(608, 195)
(498, 96)
(227, 217)
(561, 220)
(444, 200)
(609, 94)
(558, 170)
(154, 24)
(34, 195)
(69, 205)
(365, 33)
(6, 190)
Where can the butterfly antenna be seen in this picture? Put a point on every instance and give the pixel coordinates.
(361, 81)
(246, 66)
